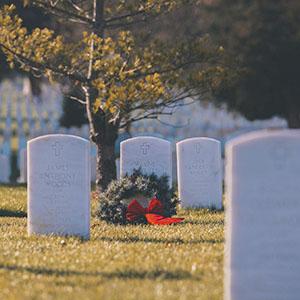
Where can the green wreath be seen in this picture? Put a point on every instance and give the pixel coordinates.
(114, 201)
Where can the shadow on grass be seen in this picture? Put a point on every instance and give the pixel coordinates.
(199, 222)
(136, 239)
(205, 210)
(119, 274)
(12, 185)
(12, 213)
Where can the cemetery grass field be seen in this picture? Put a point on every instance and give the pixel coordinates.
(184, 261)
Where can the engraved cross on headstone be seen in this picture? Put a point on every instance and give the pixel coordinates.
(198, 148)
(57, 147)
(145, 148)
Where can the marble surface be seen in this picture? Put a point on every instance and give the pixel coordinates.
(151, 154)
(199, 173)
(262, 251)
(59, 185)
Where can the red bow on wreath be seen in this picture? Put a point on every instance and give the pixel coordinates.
(153, 213)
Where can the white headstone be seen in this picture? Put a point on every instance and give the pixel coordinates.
(262, 252)
(199, 172)
(151, 154)
(4, 168)
(59, 185)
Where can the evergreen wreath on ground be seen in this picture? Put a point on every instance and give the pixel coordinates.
(114, 201)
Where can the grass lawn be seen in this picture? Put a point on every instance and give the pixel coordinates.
(184, 261)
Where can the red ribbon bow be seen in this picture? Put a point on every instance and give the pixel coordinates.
(153, 213)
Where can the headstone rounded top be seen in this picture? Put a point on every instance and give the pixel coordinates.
(198, 139)
(263, 134)
(150, 154)
(58, 136)
(149, 138)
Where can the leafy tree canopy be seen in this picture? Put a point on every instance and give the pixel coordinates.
(121, 72)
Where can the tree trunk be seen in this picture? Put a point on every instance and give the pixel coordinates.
(104, 134)
(106, 159)
(293, 118)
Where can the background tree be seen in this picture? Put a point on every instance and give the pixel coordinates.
(32, 18)
(263, 37)
(73, 113)
(177, 24)
(119, 78)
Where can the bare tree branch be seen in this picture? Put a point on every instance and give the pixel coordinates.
(129, 15)
(167, 70)
(62, 13)
(151, 115)
(41, 67)
(160, 109)
(79, 9)
(133, 18)
(76, 99)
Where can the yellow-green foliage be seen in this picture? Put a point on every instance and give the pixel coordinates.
(40, 46)
(119, 262)
(126, 77)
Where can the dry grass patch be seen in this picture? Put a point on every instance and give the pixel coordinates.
(184, 261)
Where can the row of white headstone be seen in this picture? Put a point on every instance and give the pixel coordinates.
(59, 171)
(199, 166)
(262, 251)
(23, 167)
